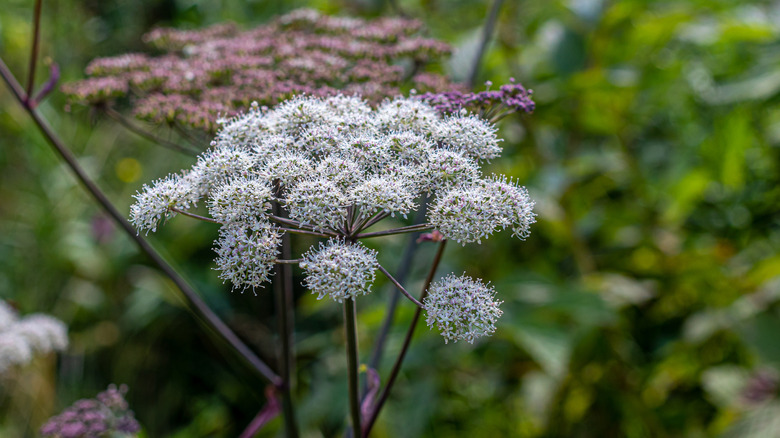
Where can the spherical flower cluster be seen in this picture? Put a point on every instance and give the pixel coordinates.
(246, 252)
(107, 414)
(339, 270)
(336, 166)
(22, 338)
(462, 308)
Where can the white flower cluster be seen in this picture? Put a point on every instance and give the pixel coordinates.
(339, 269)
(21, 338)
(337, 166)
(462, 308)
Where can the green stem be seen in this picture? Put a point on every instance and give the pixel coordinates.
(350, 326)
(34, 50)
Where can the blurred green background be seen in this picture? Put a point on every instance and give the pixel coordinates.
(644, 304)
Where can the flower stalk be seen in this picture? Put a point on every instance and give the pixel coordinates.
(350, 329)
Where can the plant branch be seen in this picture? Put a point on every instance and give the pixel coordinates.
(208, 316)
(403, 271)
(350, 326)
(34, 50)
(487, 31)
(307, 232)
(298, 225)
(398, 285)
(195, 216)
(378, 217)
(408, 229)
(122, 120)
(285, 317)
(407, 341)
(289, 262)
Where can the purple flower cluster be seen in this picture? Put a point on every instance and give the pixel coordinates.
(490, 104)
(219, 71)
(763, 385)
(108, 414)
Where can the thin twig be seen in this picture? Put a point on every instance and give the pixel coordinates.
(191, 139)
(195, 216)
(408, 229)
(487, 31)
(400, 288)
(289, 262)
(378, 217)
(407, 341)
(298, 225)
(34, 51)
(201, 308)
(122, 120)
(401, 273)
(307, 232)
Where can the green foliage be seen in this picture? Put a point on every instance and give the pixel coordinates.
(644, 300)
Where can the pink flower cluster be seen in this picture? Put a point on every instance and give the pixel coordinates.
(219, 71)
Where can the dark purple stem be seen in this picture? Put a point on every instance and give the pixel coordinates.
(407, 341)
(487, 31)
(208, 316)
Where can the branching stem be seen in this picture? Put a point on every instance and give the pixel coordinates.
(350, 327)
(194, 216)
(207, 316)
(400, 288)
(130, 126)
(409, 229)
(407, 341)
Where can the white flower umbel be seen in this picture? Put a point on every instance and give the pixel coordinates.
(246, 253)
(471, 135)
(462, 308)
(332, 168)
(339, 270)
(22, 338)
(241, 199)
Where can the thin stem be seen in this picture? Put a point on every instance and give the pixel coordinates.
(296, 224)
(403, 271)
(350, 326)
(289, 262)
(487, 31)
(400, 288)
(408, 229)
(192, 139)
(34, 49)
(407, 341)
(207, 316)
(285, 317)
(307, 232)
(361, 224)
(122, 120)
(378, 217)
(195, 216)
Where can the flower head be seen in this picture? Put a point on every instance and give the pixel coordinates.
(336, 166)
(246, 252)
(22, 337)
(462, 308)
(108, 414)
(339, 270)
